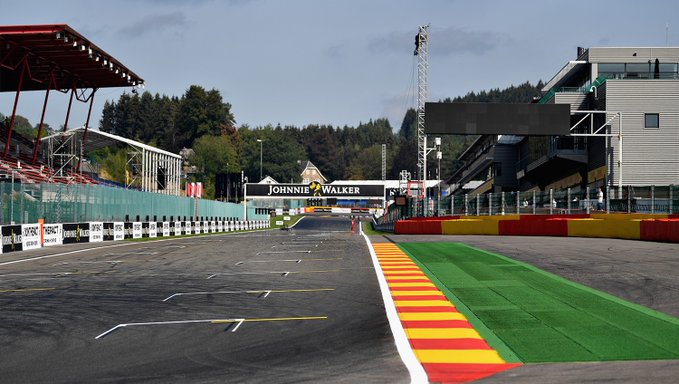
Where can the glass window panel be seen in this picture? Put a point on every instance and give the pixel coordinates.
(639, 67)
(651, 120)
(611, 67)
(667, 67)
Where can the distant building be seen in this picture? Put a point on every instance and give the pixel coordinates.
(268, 180)
(312, 173)
(624, 129)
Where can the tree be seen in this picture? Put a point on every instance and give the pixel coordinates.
(212, 155)
(408, 129)
(201, 113)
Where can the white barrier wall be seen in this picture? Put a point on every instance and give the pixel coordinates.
(36, 235)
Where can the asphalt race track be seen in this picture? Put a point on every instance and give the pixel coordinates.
(274, 306)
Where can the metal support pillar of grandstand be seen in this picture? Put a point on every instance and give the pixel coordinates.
(603, 131)
(87, 123)
(466, 204)
(534, 203)
(518, 202)
(422, 53)
(134, 166)
(24, 65)
(51, 82)
(589, 204)
(68, 110)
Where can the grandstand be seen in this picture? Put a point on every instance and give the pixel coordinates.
(56, 57)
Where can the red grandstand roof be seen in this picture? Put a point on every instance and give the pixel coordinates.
(59, 49)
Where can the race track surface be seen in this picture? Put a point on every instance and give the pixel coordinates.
(265, 307)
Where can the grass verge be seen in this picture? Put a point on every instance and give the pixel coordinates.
(542, 317)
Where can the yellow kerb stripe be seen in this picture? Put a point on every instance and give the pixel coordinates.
(422, 303)
(396, 292)
(418, 316)
(395, 285)
(442, 333)
(464, 356)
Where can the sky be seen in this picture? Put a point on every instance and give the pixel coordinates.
(337, 62)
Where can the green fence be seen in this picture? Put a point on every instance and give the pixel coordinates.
(61, 203)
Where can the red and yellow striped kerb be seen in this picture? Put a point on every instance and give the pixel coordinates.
(448, 347)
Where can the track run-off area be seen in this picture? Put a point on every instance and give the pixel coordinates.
(319, 303)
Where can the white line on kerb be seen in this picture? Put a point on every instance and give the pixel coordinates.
(417, 373)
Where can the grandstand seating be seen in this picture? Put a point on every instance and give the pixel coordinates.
(27, 172)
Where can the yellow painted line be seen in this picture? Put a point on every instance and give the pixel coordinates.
(390, 273)
(26, 290)
(459, 356)
(395, 292)
(442, 333)
(417, 316)
(267, 319)
(423, 303)
(394, 285)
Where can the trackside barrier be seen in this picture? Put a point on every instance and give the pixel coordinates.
(23, 237)
(634, 227)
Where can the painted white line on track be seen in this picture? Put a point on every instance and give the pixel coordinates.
(297, 261)
(417, 373)
(63, 254)
(309, 251)
(212, 321)
(260, 292)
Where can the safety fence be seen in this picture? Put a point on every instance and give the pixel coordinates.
(37, 235)
(58, 203)
(646, 200)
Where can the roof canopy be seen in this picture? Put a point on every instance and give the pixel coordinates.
(57, 49)
(97, 139)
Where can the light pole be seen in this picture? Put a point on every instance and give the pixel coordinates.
(260, 141)
(437, 147)
(438, 178)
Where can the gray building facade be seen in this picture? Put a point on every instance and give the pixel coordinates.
(624, 105)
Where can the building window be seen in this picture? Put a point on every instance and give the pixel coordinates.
(651, 120)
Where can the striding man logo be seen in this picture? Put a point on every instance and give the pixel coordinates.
(315, 187)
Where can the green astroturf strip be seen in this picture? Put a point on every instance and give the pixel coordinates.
(533, 316)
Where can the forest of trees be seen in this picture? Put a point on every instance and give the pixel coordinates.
(200, 119)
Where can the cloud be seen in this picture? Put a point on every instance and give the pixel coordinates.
(443, 42)
(155, 23)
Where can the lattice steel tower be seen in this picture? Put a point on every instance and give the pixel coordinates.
(422, 53)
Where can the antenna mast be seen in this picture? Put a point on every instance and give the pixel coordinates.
(422, 53)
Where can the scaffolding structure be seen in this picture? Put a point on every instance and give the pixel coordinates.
(422, 53)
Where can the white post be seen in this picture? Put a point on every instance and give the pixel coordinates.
(245, 202)
(620, 155)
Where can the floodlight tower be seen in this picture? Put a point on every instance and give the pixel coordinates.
(422, 53)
